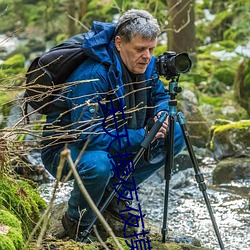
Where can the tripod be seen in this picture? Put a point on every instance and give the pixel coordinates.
(173, 90)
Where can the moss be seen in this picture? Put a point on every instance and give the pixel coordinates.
(158, 245)
(235, 125)
(9, 219)
(242, 84)
(13, 239)
(21, 199)
(16, 61)
(239, 128)
(225, 75)
(16, 237)
(214, 101)
(6, 243)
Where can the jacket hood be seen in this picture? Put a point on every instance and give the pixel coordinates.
(98, 43)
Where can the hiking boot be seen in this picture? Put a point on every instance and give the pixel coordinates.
(120, 217)
(116, 210)
(75, 231)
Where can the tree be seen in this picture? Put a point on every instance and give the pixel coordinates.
(181, 27)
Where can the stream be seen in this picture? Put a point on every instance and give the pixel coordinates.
(187, 212)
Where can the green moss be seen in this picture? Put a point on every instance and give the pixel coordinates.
(212, 100)
(228, 45)
(6, 243)
(13, 238)
(9, 219)
(235, 125)
(239, 128)
(16, 61)
(21, 199)
(225, 75)
(242, 84)
(16, 237)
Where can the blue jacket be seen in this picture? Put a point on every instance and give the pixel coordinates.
(85, 117)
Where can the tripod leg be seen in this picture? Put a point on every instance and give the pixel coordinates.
(168, 173)
(199, 176)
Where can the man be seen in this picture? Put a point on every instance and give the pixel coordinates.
(124, 91)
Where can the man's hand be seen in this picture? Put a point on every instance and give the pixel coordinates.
(164, 128)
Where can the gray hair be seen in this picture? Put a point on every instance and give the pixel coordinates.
(137, 22)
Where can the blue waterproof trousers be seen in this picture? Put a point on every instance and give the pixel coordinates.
(95, 170)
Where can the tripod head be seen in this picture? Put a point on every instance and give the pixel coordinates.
(174, 89)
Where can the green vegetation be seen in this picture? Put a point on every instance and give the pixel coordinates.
(221, 131)
(45, 23)
(11, 237)
(22, 201)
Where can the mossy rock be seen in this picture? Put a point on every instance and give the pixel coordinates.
(232, 139)
(219, 107)
(22, 200)
(11, 237)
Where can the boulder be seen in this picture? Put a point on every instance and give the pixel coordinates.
(231, 139)
(197, 125)
(231, 169)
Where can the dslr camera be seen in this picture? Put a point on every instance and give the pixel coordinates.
(171, 65)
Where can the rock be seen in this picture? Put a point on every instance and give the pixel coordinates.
(172, 242)
(232, 139)
(231, 169)
(197, 125)
(181, 179)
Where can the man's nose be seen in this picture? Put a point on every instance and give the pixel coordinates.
(146, 54)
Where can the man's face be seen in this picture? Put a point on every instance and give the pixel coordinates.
(137, 53)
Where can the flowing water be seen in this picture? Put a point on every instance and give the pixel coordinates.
(188, 214)
(187, 211)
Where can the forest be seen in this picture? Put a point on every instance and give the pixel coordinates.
(214, 33)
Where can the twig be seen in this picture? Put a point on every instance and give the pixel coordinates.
(99, 238)
(77, 21)
(46, 216)
(66, 154)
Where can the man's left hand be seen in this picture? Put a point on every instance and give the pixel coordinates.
(164, 128)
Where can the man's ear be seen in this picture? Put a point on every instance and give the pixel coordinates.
(118, 43)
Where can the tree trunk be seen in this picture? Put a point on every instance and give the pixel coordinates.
(71, 6)
(181, 27)
(83, 7)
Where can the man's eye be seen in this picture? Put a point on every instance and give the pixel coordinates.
(139, 50)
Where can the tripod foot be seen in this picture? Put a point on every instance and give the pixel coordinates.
(164, 232)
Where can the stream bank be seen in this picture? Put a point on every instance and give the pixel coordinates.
(187, 213)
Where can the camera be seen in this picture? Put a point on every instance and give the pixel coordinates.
(171, 65)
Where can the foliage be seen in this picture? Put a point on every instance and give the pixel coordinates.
(227, 21)
(242, 84)
(22, 200)
(12, 239)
